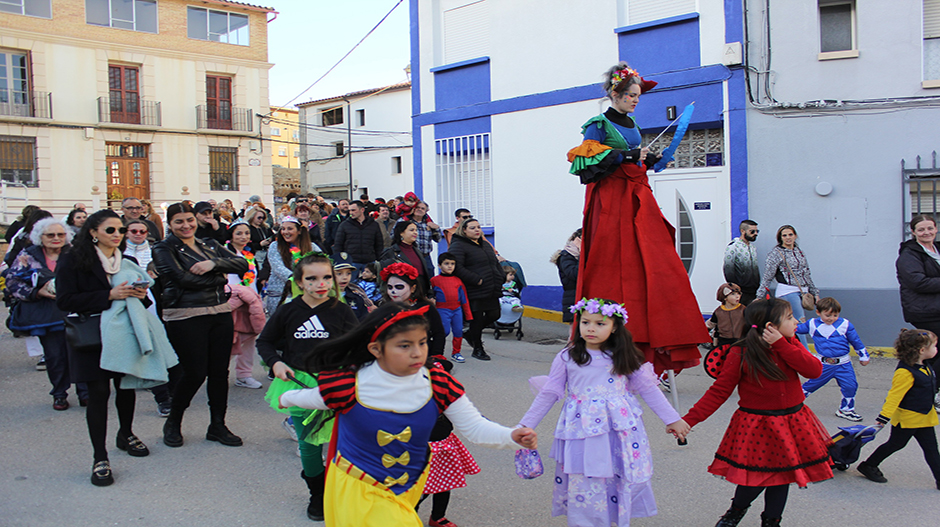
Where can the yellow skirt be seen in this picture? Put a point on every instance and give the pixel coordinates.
(355, 499)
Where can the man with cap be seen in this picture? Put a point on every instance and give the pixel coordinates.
(209, 227)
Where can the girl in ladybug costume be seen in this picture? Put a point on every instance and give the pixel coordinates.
(773, 440)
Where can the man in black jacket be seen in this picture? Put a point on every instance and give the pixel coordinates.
(360, 237)
(209, 226)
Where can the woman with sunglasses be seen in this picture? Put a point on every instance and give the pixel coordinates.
(83, 285)
(136, 245)
(198, 320)
(31, 281)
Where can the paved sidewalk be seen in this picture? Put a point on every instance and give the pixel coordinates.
(46, 459)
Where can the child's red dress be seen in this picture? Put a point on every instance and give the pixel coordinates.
(773, 438)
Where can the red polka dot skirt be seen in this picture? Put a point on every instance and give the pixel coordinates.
(766, 450)
(450, 462)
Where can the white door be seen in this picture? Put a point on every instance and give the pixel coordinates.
(696, 204)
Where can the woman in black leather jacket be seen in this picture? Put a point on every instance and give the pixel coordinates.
(198, 320)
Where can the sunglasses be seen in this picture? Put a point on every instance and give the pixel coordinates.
(135, 231)
(110, 230)
(397, 287)
(466, 217)
(54, 234)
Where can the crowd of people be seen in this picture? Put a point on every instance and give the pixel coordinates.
(350, 316)
(204, 284)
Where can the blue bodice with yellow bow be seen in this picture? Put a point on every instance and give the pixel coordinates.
(388, 446)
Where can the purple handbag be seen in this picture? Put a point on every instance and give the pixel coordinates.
(528, 463)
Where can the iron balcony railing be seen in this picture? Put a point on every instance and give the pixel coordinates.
(212, 117)
(127, 110)
(18, 103)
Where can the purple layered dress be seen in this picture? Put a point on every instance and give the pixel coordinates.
(603, 461)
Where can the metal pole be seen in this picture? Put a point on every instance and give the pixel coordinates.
(349, 144)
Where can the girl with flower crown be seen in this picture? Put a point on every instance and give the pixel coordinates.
(387, 398)
(295, 330)
(628, 249)
(602, 455)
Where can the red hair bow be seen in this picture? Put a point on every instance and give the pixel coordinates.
(399, 269)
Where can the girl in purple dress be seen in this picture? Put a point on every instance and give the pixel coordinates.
(603, 462)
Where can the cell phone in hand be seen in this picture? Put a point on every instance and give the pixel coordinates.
(141, 284)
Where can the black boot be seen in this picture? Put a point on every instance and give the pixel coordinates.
(769, 522)
(315, 484)
(732, 517)
(478, 351)
(217, 430)
(172, 429)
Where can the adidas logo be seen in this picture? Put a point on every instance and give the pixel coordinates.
(312, 329)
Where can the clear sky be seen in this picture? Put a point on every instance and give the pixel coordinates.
(309, 36)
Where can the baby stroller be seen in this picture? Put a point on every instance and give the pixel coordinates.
(847, 444)
(510, 320)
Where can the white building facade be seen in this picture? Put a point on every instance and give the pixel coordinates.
(501, 90)
(359, 142)
(807, 126)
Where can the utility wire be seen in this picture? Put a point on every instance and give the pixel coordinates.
(287, 105)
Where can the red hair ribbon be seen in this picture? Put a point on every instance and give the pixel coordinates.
(399, 269)
(399, 316)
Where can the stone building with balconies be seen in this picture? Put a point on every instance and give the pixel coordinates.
(159, 99)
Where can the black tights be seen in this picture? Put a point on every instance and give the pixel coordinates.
(96, 415)
(775, 499)
(438, 504)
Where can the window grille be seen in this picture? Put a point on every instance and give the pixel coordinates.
(18, 159)
(464, 176)
(223, 168)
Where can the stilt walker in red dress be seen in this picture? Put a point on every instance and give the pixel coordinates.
(628, 249)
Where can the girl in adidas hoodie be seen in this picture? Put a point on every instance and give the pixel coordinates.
(296, 328)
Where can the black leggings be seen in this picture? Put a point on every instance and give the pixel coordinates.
(204, 347)
(482, 317)
(926, 438)
(96, 415)
(438, 504)
(775, 498)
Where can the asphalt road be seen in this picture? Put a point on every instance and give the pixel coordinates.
(46, 459)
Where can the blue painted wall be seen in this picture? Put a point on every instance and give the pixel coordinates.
(737, 120)
(666, 45)
(461, 86)
(416, 149)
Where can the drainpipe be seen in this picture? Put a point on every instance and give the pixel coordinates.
(349, 144)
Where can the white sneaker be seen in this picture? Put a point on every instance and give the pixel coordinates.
(290, 428)
(849, 415)
(248, 382)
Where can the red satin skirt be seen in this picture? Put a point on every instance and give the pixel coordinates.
(628, 255)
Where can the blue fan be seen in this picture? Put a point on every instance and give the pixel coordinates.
(676, 139)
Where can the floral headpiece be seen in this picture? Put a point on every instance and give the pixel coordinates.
(596, 306)
(621, 76)
(399, 269)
